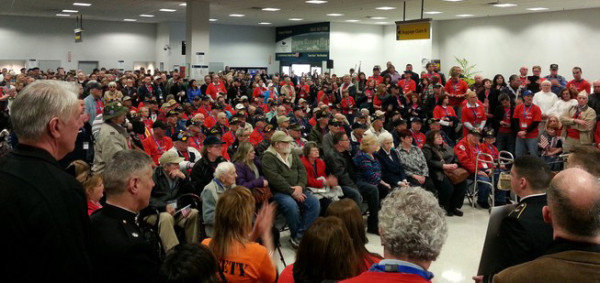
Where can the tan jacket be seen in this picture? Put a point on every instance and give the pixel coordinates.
(111, 139)
(586, 134)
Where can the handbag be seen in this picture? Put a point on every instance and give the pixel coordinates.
(261, 194)
(456, 176)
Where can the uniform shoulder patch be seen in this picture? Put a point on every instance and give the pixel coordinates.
(518, 210)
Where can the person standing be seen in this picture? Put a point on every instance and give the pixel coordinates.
(42, 208)
(579, 122)
(526, 120)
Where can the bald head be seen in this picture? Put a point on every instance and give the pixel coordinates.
(574, 205)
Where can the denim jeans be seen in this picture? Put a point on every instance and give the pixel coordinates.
(298, 215)
(353, 194)
(523, 146)
(483, 189)
(506, 141)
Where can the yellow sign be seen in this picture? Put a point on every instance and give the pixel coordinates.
(414, 30)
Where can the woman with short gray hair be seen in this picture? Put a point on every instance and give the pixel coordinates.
(224, 179)
(412, 227)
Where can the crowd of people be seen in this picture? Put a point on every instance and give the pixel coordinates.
(163, 164)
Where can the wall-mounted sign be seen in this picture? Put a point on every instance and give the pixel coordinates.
(303, 42)
(411, 30)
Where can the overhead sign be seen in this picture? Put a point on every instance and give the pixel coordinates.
(411, 30)
(302, 42)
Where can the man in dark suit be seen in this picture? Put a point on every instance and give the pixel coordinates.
(45, 227)
(118, 249)
(573, 210)
(523, 235)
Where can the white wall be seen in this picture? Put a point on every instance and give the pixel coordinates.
(53, 38)
(402, 52)
(243, 46)
(350, 43)
(503, 44)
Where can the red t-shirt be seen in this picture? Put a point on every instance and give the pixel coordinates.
(378, 79)
(156, 147)
(440, 112)
(347, 105)
(526, 116)
(474, 115)
(407, 86)
(506, 118)
(456, 91)
(580, 85)
(418, 138)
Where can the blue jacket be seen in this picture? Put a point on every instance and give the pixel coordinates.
(392, 170)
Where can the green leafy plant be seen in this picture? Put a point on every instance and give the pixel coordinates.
(468, 71)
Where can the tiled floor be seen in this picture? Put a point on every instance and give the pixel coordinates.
(460, 255)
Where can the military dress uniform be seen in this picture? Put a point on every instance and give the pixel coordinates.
(118, 249)
(523, 235)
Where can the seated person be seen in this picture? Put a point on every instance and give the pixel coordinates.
(203, 171)
(323, 186)
(190, 263)
(169, 184)
(417, 172)
(349, 212)
(92, 184)
(249, 172)
(440, 158)
(224, 179)
(551, 147)
(118, 251)
(240, 258)
(411, 238)
(392, 170)
(180, 146)
(574, 255)
(287, 180)
(368, 174)
(325, 254)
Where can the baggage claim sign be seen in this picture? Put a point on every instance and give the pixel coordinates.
(302, 43)
(416, 29)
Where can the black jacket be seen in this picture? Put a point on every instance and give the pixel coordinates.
(341, 166)
(119, 251)
(163, 194)
(392, 170)
(45, 226)
(203, 172)
(434, 162)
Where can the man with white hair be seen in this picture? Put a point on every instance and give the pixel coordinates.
(545, 100)
(42, 208)
(413, 230)
(224, 179)
(573, 210)
(578, 123)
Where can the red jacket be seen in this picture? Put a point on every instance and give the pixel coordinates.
(155, 148)
(467, 155)
(411, 86)
(256, 137)
(475, 116)
(311, 175)
(456, 91)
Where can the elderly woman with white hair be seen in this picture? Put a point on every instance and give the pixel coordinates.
(392, 170)
(112, 94)
(224, 179)
(413, 230)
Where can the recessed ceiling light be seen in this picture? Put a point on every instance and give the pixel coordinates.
(453, 0)
(271, 9)
(382, 23)
(146, 16)
(236, 15)
(385, 8)
(316, 1)
(168, 10)
(377, 18)
(82, 4)
(296, 19)
(63, 15)
(432, 12)
(183, 4)
(264, 23)
(212, 20)
(129, 20)
(537, 9)
(504, 5)
(335, 15)
(464, 15)
(352, 21)
(70, 11)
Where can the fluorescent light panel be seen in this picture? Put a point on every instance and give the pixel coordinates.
(129, 20)
(352, 21)
(167, 10)
(453, 0)
(432, 12)
(537, 9)
(146, 16)
(385, 8)
(264, 23)
(63, 15)
(296, 19)
(82, 4)
(335, 15)
(271, 9)
(382, 23)
(377, 18)
(316, 1)
(183, 4)
(504, 5)
(212, 20)
(236, 15)
(70, 11)
(464, 15)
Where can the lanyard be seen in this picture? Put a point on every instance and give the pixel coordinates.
(196, 141)
(416, 137)
(526, 111)
(477, 149)
(474, 109)
(401, 269)
(160, 150)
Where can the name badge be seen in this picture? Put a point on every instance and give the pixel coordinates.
(524, 125)
(86, 145)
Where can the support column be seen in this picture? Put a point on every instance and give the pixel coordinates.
(197, 38)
